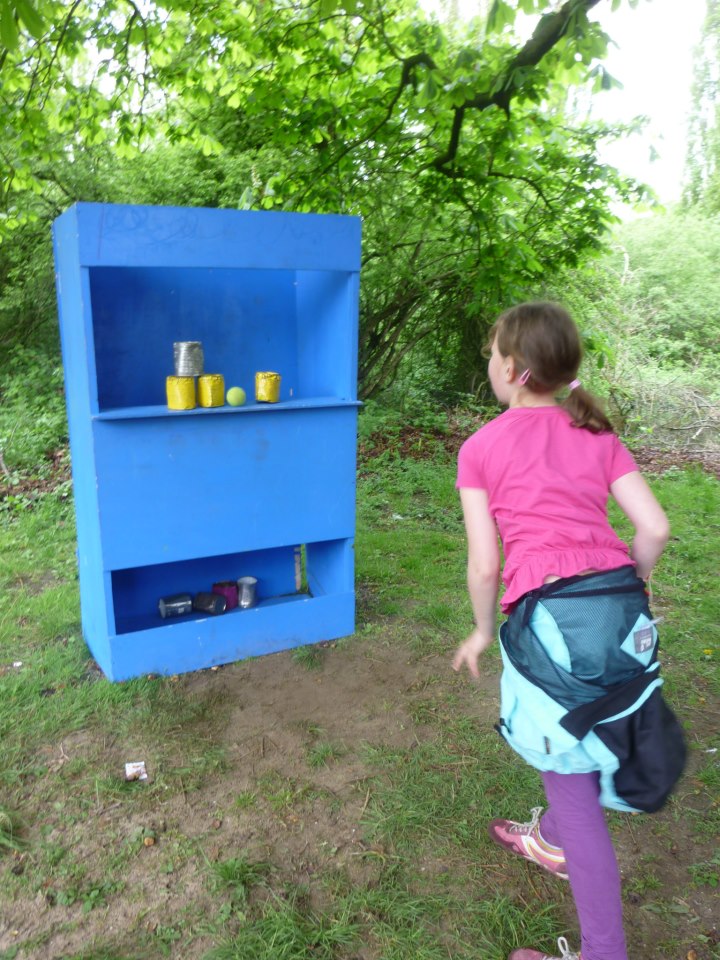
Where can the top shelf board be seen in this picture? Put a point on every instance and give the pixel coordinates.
(117, 235)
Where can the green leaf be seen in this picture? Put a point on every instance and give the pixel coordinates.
(430, 88)
(209, 145)
(161, 58)
(465, 58)
(31, 18)
(8, 26)
(500, 15)
(246, 199)
(608, 82)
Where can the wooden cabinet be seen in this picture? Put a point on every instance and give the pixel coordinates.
(170, 502)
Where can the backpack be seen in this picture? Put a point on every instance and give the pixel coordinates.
(581, 689)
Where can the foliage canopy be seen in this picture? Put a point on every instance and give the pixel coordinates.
(454, 144)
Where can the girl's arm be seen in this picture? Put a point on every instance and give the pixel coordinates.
(483, 574)
(652, 530)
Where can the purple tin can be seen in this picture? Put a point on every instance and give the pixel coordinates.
(229, 590)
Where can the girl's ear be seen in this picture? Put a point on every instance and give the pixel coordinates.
(509, 369)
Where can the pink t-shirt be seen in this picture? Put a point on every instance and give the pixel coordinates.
(548, 485)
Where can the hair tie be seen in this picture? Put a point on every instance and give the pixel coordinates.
(524, 377)
(574, 384)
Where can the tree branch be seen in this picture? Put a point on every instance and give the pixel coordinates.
(55, 54)
(528, 180)
(549, 31)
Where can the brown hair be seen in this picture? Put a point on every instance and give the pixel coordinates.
(542, 338)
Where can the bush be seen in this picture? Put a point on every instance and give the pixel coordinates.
(33, 422)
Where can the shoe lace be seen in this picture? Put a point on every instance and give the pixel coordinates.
(529, 826)
(565, 952)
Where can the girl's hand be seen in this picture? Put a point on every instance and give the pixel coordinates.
(468, 653)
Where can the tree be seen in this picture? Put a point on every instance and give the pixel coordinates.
(703, 156)
(671, 288)
(454, 146)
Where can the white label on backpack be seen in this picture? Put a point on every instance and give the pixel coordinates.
(643, 639)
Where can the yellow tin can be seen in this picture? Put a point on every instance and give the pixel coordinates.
(180, 393)
(211, 390)
(267, 386)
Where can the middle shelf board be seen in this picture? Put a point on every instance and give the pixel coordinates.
(144, 413)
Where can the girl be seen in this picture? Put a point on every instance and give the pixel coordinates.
(579, 647)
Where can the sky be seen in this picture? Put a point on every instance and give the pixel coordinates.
(654, 61)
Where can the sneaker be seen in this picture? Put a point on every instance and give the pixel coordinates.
(526, 840)
(565, 953)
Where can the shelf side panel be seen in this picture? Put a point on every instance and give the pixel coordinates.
(327, 334)
(73, 296)
(330, 567)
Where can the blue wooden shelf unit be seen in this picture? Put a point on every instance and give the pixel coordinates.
(170, 502)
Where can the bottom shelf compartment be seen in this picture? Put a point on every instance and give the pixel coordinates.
(305, 594)
(197, 644)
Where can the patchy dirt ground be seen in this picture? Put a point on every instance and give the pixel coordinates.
(266, 714)
(136, 884)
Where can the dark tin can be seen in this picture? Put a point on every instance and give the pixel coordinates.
(210, 603)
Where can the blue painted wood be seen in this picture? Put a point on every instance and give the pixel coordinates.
(171, 501)
(330, 567)
(137, 236)
(326, 334)
(79, 367)
(193, 644)
(180, 488)
(297, 324)
(136, 590)
(162, 412)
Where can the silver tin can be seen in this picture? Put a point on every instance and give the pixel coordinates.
(247, 592)
(175, 606)
(189, 358)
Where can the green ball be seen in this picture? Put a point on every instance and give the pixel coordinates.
(236, 396)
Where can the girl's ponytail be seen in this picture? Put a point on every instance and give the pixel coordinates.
(586, 410)
(545, 343)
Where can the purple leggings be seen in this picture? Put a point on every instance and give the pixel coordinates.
(575, 821)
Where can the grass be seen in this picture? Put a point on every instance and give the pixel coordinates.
(10, 838)
(420, 882)
(236, 877)
(706, 873)
(322, 754)
(310, 658)
(286, 929)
